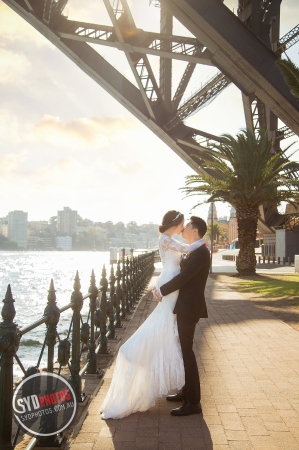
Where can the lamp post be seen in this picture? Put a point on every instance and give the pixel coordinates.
(212, 236)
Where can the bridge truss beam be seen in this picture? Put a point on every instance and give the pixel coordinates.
(204, 94)
(287, 41)
(219, 38)
(142, 42)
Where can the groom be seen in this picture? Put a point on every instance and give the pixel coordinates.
(190, 307)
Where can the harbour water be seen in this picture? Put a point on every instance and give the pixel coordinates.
(29, 274)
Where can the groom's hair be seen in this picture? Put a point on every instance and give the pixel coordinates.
(199, 224)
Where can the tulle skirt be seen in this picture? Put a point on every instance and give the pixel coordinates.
(148, 365)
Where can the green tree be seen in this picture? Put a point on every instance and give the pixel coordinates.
(218, 231)
(245, 173)
(133, 228)
(120, 227)
(53, 220)
(109, 226)
(83, 222)
(90, 240)
(291, 74)
(5, 244)
(83, 241)
(40, 243)
(53, 225)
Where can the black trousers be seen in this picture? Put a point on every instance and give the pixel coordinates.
(186, 329)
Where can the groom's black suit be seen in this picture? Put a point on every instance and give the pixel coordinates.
(190, 307)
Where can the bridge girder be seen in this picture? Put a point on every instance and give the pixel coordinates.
(165, 46)
(219, 39)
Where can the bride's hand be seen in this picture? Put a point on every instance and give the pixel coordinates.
(156, 295)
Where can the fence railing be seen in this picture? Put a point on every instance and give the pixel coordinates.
(269, 250)
(109, 304)
(262, 259)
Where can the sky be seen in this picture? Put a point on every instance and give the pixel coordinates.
(64, 141)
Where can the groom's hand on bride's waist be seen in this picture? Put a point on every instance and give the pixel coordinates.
(157, 295)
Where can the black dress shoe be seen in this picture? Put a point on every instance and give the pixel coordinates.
(178, 397)
(187, 409)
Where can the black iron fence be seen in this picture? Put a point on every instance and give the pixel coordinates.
(109, 304)
(262, 259)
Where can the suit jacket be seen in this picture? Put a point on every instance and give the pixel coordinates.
(191, 282)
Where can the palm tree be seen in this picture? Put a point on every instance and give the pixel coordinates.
(218, 230)
(245, 173)
(291, 74)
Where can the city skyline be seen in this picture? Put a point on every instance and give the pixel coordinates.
(68, 231)
(64, 138)
(44, 219)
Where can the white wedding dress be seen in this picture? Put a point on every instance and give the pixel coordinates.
(149, 364)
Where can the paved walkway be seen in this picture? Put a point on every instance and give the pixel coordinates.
(249, 368)
(224, 266)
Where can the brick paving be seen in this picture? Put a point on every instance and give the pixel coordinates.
(249, 369)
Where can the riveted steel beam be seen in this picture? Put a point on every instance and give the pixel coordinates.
(288, 40)
(218, 38)
(166, 25)
(240, 55)
(142, 42)
(205, 58)
(196, 101)
(103, 73)
(284, 133)
(119, 12)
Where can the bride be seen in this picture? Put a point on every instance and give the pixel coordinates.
(149, 364)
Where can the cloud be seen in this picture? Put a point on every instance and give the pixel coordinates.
(9, 127)
(14, 28)
(64, 172)
(92, 11)
(14, 67)
(11, 162)
(120, 168)
(88, 131)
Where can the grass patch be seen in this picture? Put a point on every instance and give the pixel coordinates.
(276, 294)
(270, 286)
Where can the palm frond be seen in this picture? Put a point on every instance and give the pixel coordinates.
(290, 73)
(245, 172)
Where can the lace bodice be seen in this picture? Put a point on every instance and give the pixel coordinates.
(171, 251)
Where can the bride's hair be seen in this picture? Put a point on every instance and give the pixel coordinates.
(171, 219)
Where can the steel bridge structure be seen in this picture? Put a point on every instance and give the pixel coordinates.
(243, 47)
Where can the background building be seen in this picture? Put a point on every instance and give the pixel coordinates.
(67, 221)
(4, 226)
(232, 226)
(17, 228)
(40, 243)
(224, 224)
(215, 215)
(38, 225)
(223, 220)
(64, 242)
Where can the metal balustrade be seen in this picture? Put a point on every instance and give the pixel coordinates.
(109, 305)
